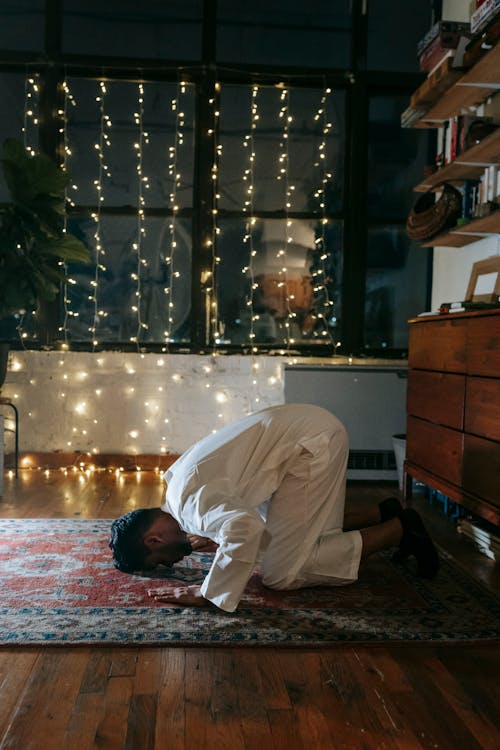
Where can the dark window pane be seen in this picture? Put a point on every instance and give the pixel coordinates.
(160, 123)
(285, 33)
(22, 24)
(396, 285)
(394, 30)
(396, 158)
(165, 287)
(305, 138)
(151, 29)
(296, 285)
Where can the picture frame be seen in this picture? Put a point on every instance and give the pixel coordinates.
(484, 282)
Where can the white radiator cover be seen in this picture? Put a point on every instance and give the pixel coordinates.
(369, 401)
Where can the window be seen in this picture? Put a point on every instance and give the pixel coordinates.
(396, 159)
(128, 29)
(233, 187)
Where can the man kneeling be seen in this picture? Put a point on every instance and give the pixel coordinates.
(267, 489)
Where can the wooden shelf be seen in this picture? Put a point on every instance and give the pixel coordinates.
(468, 233)
(468, 92)
(468, 166)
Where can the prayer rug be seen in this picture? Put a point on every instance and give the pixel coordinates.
(59, 586)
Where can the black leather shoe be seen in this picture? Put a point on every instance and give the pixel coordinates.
(417, 542)
(389, 508)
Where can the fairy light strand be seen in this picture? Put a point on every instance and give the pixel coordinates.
(212, 316)
(249, 207)
(102, 142)
(142, 184)
(30, 116)
(248, 270)
(69, 99)
(320, 274)
(173, 172)
(283, 174)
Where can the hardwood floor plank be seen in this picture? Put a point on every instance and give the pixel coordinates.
(310, 690)
(435, 720)
(148, 671)
(111, 730)
(273, 685)
(14, 675)
(255, 725)
(225, 729)
(86, 715)
(465, 705)
(198, 669)
(171, 715)
(97, 672)
(285, 732)
(141, 723)
(46, 706)
(477, 670)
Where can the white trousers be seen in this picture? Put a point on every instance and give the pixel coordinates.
(305, 519)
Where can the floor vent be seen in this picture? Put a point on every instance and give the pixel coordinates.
(372, 460)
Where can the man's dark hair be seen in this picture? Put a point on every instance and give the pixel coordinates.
(127, 538)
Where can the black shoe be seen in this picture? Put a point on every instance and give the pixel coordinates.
(389, 508)
(416, 541)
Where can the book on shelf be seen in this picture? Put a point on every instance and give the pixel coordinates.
(410, 116)
(447, 31)
(483, 15)
(453, 307)
(436, 84)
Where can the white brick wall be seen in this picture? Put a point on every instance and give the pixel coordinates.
(113, 402)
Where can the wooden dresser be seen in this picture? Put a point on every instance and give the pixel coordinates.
(453, 408)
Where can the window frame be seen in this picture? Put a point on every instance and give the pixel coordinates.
(358, 84)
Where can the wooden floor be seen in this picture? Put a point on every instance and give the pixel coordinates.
(349, 697)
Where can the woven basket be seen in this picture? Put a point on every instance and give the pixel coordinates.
(429, 217)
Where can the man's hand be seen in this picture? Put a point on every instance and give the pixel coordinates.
(183, 596)
(202, 543)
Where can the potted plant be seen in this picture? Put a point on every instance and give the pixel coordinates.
(34, 245)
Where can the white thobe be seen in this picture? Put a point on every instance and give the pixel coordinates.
(269, 488)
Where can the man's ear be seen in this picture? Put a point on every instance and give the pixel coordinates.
(152, 540)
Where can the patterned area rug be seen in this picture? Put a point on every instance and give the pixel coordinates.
(58, 585)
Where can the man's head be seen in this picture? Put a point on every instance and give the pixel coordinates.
(145, 538)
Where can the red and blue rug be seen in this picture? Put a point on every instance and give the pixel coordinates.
(58, 585)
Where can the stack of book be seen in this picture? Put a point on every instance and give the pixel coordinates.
(484, 539)
(455, 307)
(484, 12)
(441, 41)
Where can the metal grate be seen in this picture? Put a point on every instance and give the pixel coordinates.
(372, 460)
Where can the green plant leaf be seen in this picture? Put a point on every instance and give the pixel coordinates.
(68, 248)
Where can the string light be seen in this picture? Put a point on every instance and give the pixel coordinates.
(102, 142)
(67, 98)
(283, 174)
(31, 106)
(214, 329)
(142, 184)
(323, 303)
(174, 173)
(29, 132)
(249, 178)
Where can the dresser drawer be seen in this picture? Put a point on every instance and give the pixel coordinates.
(481, 468)
(482, 412)
(437, 397)
(438, 345)
(437, 449)
(483, 346)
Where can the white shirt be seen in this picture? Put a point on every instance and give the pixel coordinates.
(216, 487)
